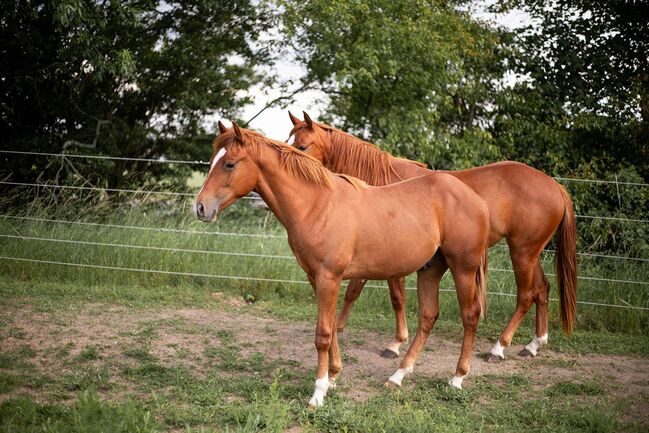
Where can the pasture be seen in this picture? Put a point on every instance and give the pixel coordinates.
(225, 342)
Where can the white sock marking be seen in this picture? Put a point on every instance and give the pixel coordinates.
(498, 350)
(398, 375)
(321, 387)
(536, 344)
(456, 381)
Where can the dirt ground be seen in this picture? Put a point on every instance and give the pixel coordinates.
(111, 328)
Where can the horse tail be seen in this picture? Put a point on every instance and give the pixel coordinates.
(566, 264)
(481, 284)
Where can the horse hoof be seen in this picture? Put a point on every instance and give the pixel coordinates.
(494, 359)
(526, 354)
(387, 353)
(390, 384)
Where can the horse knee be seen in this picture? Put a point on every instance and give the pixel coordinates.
(323, 339)
(542, 298)
(470, 317)
(428, 319)
(525, 299)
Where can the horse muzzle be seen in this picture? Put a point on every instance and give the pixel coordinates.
(206, 212)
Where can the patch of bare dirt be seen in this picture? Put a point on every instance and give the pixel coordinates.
(180, 337)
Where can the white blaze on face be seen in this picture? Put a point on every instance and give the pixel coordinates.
(220, 154)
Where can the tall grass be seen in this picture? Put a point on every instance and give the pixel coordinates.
(129, 286)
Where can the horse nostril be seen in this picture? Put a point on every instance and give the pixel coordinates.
(200, 210)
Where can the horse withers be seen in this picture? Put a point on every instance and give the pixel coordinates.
(340, 228)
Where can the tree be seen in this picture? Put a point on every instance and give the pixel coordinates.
(415, 76)
(588, 78)
(583, 109)
(127, 78)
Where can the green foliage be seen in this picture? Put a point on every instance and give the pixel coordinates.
(582, 109)
(415, 76)
(129, 78)
(426, 80)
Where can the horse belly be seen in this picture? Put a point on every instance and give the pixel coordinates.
(393, 257)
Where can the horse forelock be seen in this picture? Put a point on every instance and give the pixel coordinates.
(295, 162)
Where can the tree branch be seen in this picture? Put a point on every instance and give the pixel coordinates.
(270, 104)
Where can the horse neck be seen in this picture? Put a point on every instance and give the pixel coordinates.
(407, 169)
(399, 169)
(291, 199)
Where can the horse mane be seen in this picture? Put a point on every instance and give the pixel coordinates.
(359, 158)
(297, 163)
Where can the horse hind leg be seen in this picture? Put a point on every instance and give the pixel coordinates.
(524, 268)
(542, 288)
(354, 289)
(398, 298)
(428, 296)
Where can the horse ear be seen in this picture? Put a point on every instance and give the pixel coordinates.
(294, 120)
(237, 130)
(222, 127)
(308, 120)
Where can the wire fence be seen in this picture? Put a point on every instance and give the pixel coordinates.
(164, 160)
(240, 254)
(251, 197)
(268, 280)
(250, 235)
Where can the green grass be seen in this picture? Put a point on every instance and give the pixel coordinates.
(86, 284)
(88, 415)
(229, 386)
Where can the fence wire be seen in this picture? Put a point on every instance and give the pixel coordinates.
(164, 160)
(267, 280)
(189, 194)
(266, 256)
(253, 235)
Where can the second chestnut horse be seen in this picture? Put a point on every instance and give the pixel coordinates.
(525, 207)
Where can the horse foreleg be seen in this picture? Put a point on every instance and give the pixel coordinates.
(354, 289)
(428, 296)
(467, 297)
(327, 296)
(398, 297)
(335, 362)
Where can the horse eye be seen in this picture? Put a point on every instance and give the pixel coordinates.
(229, 165)
(301, 147)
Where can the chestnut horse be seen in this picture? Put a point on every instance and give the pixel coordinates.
(339, 228)
(525, 206)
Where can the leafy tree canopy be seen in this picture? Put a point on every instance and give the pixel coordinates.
(126, 78)
(586, 99)
(415, 76)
